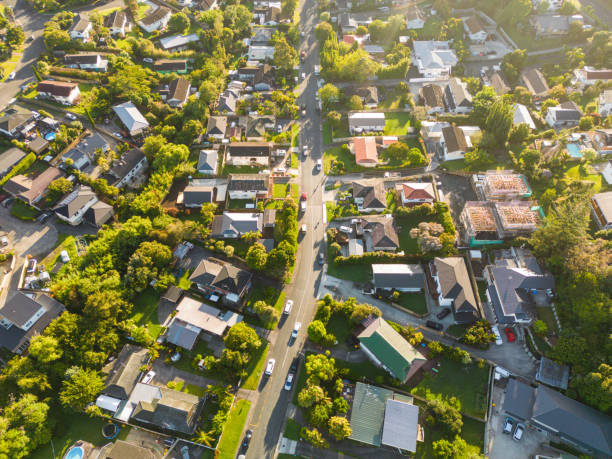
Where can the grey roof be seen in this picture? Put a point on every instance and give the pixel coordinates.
(552, 373)
(499, 84)
(398, 276)
(262, 35)
(170, 65)
(127, 162)
(432, 95)
(454, 138)
(603, 203)
(173, 294)
(346, 21)
(248, 182)
(456, 284)
(19, 309)
(384, 233)
(197, 195)
(257, 125)
(155, 16)
(75, 201)
(368, 413)
(216, 125)
(369, 94)
(124, 372)
(79, 23)
(10, 158)
(207, 161)
(14, 117)
(373, 195)
(535, 82)
(457, 94)
(98, 214)
(131, 117)
(519, 399)
(400, 428)
(82, 58)
(38, 145)
(115, 19)
(250, 149)
(182, 334)
(89, 144)
(227, 101)
(222, 275)
(236, 223)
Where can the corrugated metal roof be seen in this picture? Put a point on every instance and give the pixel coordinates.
(368, 413)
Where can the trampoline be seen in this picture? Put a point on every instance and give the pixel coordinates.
(110, 431)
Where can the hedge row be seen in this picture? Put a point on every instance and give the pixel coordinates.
(23, 166)
(369, 258)
(76, 73)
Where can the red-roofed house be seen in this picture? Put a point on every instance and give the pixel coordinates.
(364, 149)
(415, 193)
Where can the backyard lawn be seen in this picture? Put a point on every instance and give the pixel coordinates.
(546, 314)
(357, 370)
(407, 243)
(339, 327)
(23, 211)
(285, 190)
(271, 296)
(397, 123)
(414, 302)
(187, 358)
(482, 289)
(255, 367)
(468, 383)
(145, 311)
(232, 432)
(292, 430)
(356, 273)
(576, 173)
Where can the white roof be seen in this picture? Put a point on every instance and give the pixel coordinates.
(206, 317)
(141, 393)
(260, 53)
(108, 403)
(401, 425)
(392, 268)
(434, 54)
(367, 115)
(521, 115)
(178, 40)
(130, 116)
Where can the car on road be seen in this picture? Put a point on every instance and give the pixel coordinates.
(31, 38)
(510, 334)
(43, 217)
(289, 381)
(321, 259)
(319, 165)
(305, 151)
(70, 116)
(7, 201)
(32, 266)
(304, 196)
(434, 325)
(148, 377)
(288, 306)
(303, 75)
(508, 425)
(519, 431)
(345, 229)
(296, 330)
(498, 338)
(303, 229)
(64, 256)
(270, 367)
(118, 135)
(11, 76)
(4, 240)
(247, 439)
(302, 53)
(442, 314)
(294, 365)
(169, 441)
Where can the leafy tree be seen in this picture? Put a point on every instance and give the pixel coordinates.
(522, 95)
(341, 406)
(14, 36)
(334, 118)
(80, 388)
(24, 425)
(207, 212)
(479, 333)
(256, 257)
(178, 23)
(482, 102)
(339, 427)
(529, 159)
(314, 437)
(318, 334)
(131, 82)
(45, 349)
(242, 338)
(478, 159)
(447, 449)
(324, 31)
(586, 123)
(499, 122)
(442, 7)
(596, 387)
(238, 18)
(319, 413)
(444, 415)
(514, 12)
(321, 368)
(58, 188)
(355, 103)
(310, 396)
(285, 55)
(362, 311)
(288, 8)
(540, 327)
(518, 134)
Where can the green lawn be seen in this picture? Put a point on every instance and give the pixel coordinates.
(457, 330)
(292, 430)
(467, 383)
(183, 281)
(392, 100)
(240, 203)
(229, 169)
(356, 370)
(240, 246)
(255, 367)
(340, 327)
(356, 273)
(397, 123)
(187, 358)
(526, 40)
(414, 302)
(404, 225)
(482, 289)
(71, 427)
(23, 211)
(284, 190)
(195, 390)
(456, 165)
(145, 311)
(271, 296)
(546, 314)
(576, 173)
(64, 242)
(230, 438)
(326, 132)
(295, 163)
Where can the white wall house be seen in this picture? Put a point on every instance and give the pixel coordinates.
(80, 29)
(59, 91)
(366, 122)
(157, 20)
(434, 59)
(92, 62)
(454, 143)
(605, 103)
(73, 207)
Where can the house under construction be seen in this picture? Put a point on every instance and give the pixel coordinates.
(501, 186)
(517, 218)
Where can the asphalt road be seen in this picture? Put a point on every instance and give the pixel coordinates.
(268, 415)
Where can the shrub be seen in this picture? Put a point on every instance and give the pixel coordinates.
(23, 165)
(314, 437)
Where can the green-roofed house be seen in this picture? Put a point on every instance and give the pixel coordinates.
(389, 350)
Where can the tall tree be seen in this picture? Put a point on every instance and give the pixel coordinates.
(80, 388)
(499, 122)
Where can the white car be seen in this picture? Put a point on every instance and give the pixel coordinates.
(303, 228)
(148, 60)
(288, 306)
(64, 256)
(289, 381)
(319, 164)
(70, 116)
(518, 433)
(116, 134)
(270, 367)
(12, 76)
(498, 338)
(296, 329)
(345, 229)
(303, 76)
(4, 240)
(148, 377)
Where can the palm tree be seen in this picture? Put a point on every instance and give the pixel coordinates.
(205, 438)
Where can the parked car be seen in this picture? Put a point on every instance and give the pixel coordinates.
(304, 196)
(519, 431)
(148, 60)
(4, 240)
(508, 426)
(321, 259)
(303, 228)
(247, 439)
(345, 229)
(442, 314)
(176, 357)
(510, 334)
(44, 217)
(169, 441)
(296, 330)
(289, 381)
(319, 165)
(64, 256)
(498, 338)
(8, 201)
(435, 325)
(11, 76)
(294, 365)
(70, 116)
(148, 377)
(288, 306)
(32, 266)
(270, 367)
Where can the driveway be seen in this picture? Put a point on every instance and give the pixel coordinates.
(456, 190)
(165, 373)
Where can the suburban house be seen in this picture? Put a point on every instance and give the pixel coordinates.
(365, 151)
(206, 5)
(347, 23)
(23, 317)
(232, 225)
(384, 419)
(86, 61)
(400, 277)
(249, 186)
(553, 25)
(415, 193)
(535, 83)
(498, 83)
(454, 288)
(516, 218)
(177, 43)
(59, 91)
(415, 19)
(249, 153)
(564, 419)
(9, 159)
(72, 208)
(38, 145)
(366, 122)
(31, 189)
(122, 375)
(207, 162)
(157, 20)
(80, 28)
(367, 94)
(606, 172)
(131, 118)
(255, 73)
(457, 97)
(176, 93)
(517, 286)
(601, 209)
(498, 185)
(260, 53)
(590, 75)
(267, 14)
(83, 154)
(522, 116)
(194, 196)
(379, 232)
(553, 5)
(227, 101)
(553, 374)
(605, 103)
(98, 214)
(194, 318)
(262, 35)
(127, 168)
(117, 23)
(475, 30)
(434, 59)
(222, 279)
(165, 66)
(601, 140)
(369, 196)
(216, 127)
(16, 121)
(123, 449)
(567, 114)
(258, 125)
(454, 143)
(387, 349)
(432, 96)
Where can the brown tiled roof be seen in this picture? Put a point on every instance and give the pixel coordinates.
(535, 82)
(115, 19)
(179, 89)
(155, 16)
(56, 88)
(474, 25)
(170, 64)
(454, 138)
(432, 95)
(498, 84)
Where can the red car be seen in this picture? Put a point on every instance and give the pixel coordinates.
(510, 335)
(304, 196)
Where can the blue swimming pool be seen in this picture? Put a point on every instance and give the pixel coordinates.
(50, 136)
(574, 150)
(76, 452)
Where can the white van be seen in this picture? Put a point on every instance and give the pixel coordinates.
(319, 165)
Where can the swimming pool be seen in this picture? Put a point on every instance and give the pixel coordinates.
(76, 452)
(574, 150)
